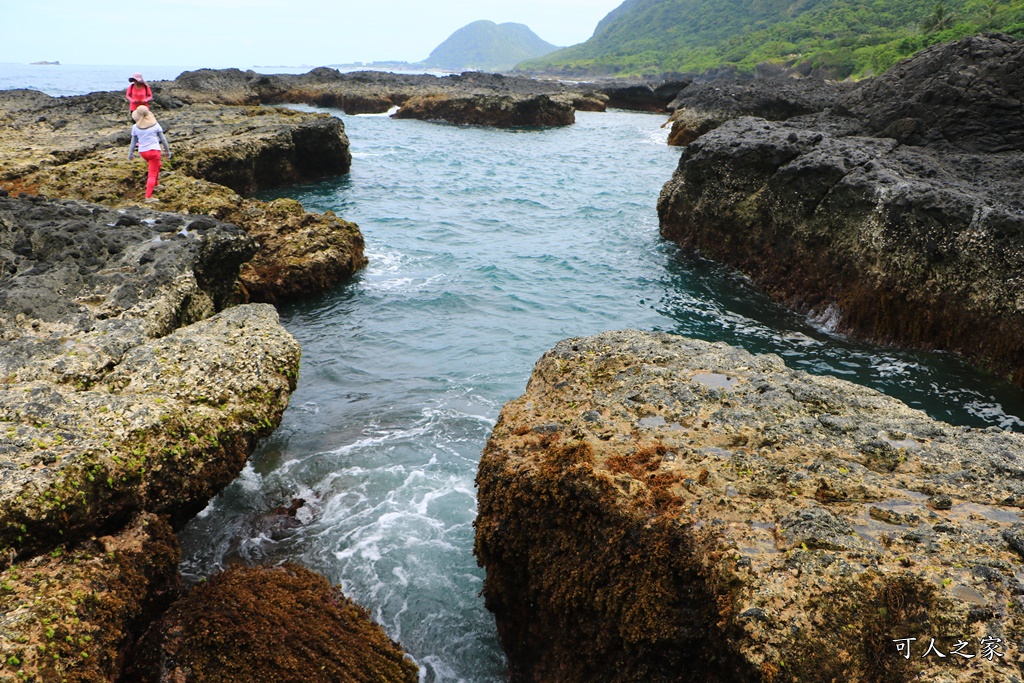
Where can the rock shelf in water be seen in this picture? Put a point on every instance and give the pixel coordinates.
(658, 508)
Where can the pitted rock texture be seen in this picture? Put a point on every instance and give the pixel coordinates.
(918, 246)
(119, 391)
(968, 94)
(74, 613)
(273, 624)
(658, 508)
(497, 111)
(702, 107)
(76, 147)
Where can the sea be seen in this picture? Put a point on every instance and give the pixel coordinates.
(485, 248)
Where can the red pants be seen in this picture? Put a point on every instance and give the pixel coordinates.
(152, 158)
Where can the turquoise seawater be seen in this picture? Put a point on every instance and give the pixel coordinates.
(486, 247)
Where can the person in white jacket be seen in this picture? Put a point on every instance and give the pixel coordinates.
(147, 135)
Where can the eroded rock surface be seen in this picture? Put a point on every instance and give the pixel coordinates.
(702, 107)
(73, 614)
(123, 388)
(274, 624)
(658, 508)
(915, 245)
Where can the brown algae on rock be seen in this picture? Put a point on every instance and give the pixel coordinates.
(767, 541)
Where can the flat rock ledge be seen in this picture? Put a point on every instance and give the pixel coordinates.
(658, 508)
(273, 624)
(504, 111)
(906, 231)
(75, 148)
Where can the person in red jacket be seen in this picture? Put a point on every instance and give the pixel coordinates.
(138, 92)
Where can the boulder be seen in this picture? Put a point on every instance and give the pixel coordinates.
(484, 110)
(73, 614)
(273, 624)
(918, 246)
(659, 508)
(966, 94)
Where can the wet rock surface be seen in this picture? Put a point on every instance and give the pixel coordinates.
(76, 147)
(914, 245)
(656, 508)
(74, 613)
(269, 624)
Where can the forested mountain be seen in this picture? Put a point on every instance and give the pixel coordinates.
(487, 46)
(834, 38)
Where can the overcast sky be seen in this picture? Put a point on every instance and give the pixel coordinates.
(244, 33)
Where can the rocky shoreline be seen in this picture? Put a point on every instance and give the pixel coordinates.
(894, 215)
(659, 508)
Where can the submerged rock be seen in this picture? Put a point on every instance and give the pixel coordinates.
(277, 624)
(658, 508)
(481, 110)
(919, 246)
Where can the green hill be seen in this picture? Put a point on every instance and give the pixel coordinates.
(487, 46)
(834, 38)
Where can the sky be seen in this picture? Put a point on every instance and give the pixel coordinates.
(245, 33)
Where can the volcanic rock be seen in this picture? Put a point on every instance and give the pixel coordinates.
(123, 389)
(659, 508)
(920, 246)
(702, 107)
(481, 110)
(273, 624)
(76, 147)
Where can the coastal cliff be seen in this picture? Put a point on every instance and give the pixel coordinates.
(659, 508)
(896, 216)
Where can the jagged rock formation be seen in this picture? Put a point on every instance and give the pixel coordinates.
(129, 397)
(273, 624)
(75, 147)
(480, 110)
(917, 245)
(702, 107)
(658, 508)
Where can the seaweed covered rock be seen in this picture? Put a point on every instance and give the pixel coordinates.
(123, 387)
(72, 614)
(659, 508)
(915, 245)
(279, 624)
(485, 110)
